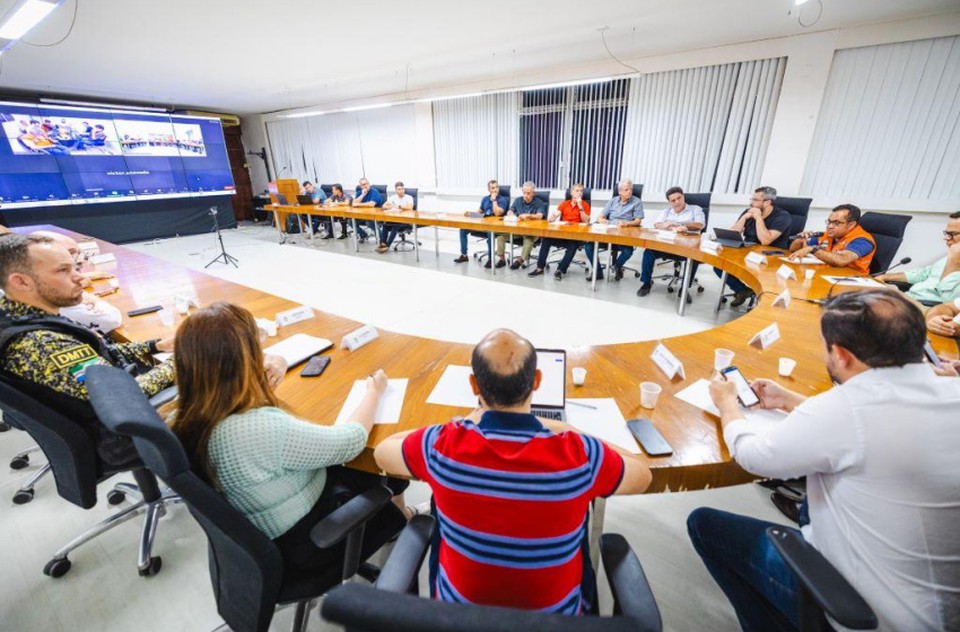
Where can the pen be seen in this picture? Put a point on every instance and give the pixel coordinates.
(581, 405)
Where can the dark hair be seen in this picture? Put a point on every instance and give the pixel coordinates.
(338, 187)
(306, 182)
(492, 182)
(398, 184)
(853, 212)
(673, 190)
(15, 254)
(499, 390)
(954, 215)
(881, 328)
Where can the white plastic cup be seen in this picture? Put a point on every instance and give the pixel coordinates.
(166, 317)
(649, 392)
(114, 283)
(786, 366)
(722, 358)
(808, 274)
(183, 306)
(579, 375)
(270, 326)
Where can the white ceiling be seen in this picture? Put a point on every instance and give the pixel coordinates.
(250, 56)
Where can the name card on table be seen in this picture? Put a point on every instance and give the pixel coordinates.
(709, 246)
(294, 315)
(357, 338)
(106, 257)
(786, 272)
(783, 299)
(510, 219)
(667, 362)
(666, 235)
(600, 228)
(756, 258)
(88, 248)
(766, 336)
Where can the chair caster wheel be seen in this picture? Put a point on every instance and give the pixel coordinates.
(636, 275)
(700, 290)
(4, 427)
(23, 496)
(723, 301)
(669, 290)
(115, 497)
(57, 568)
(152, 568)
(20, 462)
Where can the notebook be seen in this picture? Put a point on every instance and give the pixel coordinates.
(298, 348)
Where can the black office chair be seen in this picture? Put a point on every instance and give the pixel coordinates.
(246, 567)
(887, 230)
(77, 470)
(587, 197)
(637, 191)
(822, 588)
(327, 189)
(587, 194)
(703, 201)
(407, 229)
(505, 190)
(393, 605)
(798, 208)
(21, 460)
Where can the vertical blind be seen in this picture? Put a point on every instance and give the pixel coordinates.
(344, 146)
(704, 129)
(475, 140)
(889, 126)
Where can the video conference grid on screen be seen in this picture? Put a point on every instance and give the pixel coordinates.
(65, 155)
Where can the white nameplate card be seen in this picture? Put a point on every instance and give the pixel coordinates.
(711, 247)
(88, 248)
(667, 362)
(106, 257)
(766, 337)
(294, 315)
(782, 300)
(601, 228)
(510, 219)
(666, 235)
(356, 339)
(785, 272)
(756, 258)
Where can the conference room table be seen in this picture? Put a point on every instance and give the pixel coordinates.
(700, 458)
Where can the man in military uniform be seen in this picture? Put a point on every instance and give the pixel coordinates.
(47, 355)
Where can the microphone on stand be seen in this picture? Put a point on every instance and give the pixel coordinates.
(902, 262)
(818, 234)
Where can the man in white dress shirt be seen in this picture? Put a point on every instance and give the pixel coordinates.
(678, 216)
(880, 453)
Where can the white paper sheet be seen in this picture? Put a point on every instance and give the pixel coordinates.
(388, 412)
(453, 388)
(698, 394)
(808, 260)
(604, 421)
(854, 281)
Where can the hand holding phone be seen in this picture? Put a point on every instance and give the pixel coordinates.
(745, 394)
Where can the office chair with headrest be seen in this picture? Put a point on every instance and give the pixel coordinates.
(637, 191)
(393, 605)
(703, 201)
(77, 470)
(246, 567)
(587, 193)
(407, 229)
(798, 208)
(587, 197)
(822, 588)
(887, 230)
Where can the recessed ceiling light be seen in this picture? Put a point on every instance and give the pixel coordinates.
(30, 14)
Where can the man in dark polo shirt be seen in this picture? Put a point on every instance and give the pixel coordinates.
(762, 223)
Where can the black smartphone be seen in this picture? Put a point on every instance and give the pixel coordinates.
(744, 393)
(772, 252)
(315, 366)
(649, 437)
(144, 310)
(932, 355)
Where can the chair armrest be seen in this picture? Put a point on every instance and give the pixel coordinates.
(824, 583)
(339, 523)
(166, 395)
(402, 567)
(632, 596)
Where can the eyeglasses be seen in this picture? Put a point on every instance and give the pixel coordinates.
(837, 222)
(951, 234)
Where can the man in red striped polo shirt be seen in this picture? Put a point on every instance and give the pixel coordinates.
(512, 492)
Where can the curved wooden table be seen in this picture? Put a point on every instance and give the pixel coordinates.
(700, 458)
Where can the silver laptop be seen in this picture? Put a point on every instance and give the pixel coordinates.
(730, 238)
(550, 400)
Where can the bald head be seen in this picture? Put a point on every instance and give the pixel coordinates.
(58, 238)
(505, 367)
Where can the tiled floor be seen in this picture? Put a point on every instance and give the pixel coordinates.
(433, 298)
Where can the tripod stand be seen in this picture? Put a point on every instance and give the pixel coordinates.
(223, 251)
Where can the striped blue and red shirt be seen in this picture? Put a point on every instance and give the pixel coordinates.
(511, 500)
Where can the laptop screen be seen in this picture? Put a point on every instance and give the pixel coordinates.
(553, 365)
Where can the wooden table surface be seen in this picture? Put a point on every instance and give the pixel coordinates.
(700, 458)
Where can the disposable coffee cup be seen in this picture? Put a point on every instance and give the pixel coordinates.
(649, 392)
(722, 358)
(786, 366)
(808, 274)
(579, 375)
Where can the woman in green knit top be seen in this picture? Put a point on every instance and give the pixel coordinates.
(282, 473)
